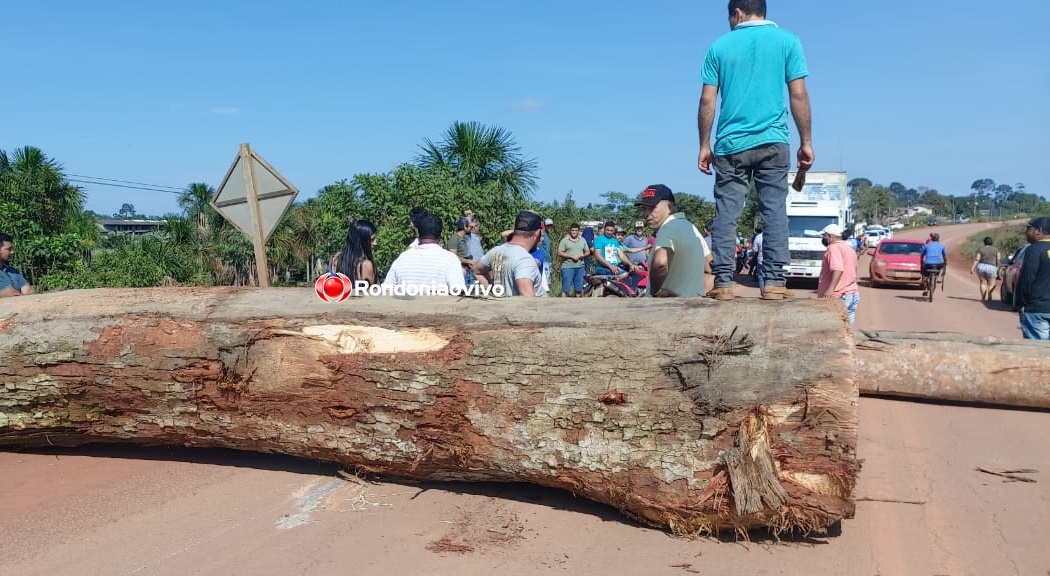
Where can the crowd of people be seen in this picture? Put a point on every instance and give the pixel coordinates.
(672, 259)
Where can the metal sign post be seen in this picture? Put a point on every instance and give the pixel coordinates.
(254, 197)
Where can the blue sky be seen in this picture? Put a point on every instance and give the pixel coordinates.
(602, 95)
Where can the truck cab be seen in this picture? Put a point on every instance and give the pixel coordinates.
(823, 200)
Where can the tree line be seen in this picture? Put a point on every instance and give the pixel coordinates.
(59, 245)
(877, 203)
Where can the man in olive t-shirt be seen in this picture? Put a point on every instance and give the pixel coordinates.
(676, 264)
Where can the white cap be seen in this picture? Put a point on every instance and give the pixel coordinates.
(548, 222)
(833, 229)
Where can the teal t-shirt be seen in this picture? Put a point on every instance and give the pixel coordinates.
(608, 247)
(751, 66)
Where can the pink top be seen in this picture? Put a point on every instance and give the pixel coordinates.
(840, 256)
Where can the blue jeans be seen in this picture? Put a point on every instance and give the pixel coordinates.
(851, 301)
(761, 278)
(632, 279)
(1035, 325)
(600, 270)
(572, 277)
(768, 166)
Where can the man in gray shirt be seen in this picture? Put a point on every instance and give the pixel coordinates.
(511, 265)
(637, 245)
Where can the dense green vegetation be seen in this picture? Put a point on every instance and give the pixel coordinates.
(59, 245)
(875, 203)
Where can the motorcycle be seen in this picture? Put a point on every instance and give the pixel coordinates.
(624, 285)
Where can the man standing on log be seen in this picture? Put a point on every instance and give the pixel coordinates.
(12, 282)
(511, 265)
(750, 66)
(1033, 285)
(676, 265)
(838, 271)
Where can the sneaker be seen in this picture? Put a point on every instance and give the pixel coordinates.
(724, 293)
(776, 293)
(925, 292)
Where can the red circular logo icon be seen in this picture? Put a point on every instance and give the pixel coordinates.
(333, 287)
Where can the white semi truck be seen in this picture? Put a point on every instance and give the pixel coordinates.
(823, 200)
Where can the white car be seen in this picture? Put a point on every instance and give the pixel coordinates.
(896, 226)
(873, 237)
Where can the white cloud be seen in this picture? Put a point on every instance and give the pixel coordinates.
(529, 105)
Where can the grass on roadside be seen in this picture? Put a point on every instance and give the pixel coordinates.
(1008, 239)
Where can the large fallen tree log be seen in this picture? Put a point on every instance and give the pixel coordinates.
(954, 367)
(690, 415)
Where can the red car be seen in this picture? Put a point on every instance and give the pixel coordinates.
(896, 262)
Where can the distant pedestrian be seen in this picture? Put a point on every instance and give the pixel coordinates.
(749, 68)
(475, 249)
(545, 246)
(588, 236)
(986, 266)
(756, 245)
(637, 244)
(573, 250)
(1033, 284)
(838, 271)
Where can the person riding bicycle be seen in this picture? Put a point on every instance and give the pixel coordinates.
(934, 257)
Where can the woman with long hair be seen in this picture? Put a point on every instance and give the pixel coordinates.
(356, 261)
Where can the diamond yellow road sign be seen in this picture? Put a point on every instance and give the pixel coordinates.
(253, 197)
(274, 194)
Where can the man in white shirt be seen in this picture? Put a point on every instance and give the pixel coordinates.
(427, 268)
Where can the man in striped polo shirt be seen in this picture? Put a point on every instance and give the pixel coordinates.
(427, 268)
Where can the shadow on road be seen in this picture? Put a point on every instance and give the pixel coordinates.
(516, 491)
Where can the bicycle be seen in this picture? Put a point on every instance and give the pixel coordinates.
(930, 275)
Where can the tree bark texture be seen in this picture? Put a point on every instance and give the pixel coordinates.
(954, 367)
(691, 415)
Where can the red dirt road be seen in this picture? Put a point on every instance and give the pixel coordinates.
(922, 508)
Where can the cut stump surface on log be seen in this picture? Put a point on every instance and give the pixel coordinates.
(690, 415)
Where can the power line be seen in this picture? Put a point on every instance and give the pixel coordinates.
(127, 182)
(127, 186)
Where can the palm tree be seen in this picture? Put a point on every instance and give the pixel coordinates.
(303, 225)
(479, 155)
(187, 238)
(195, 201)
(30, 179)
